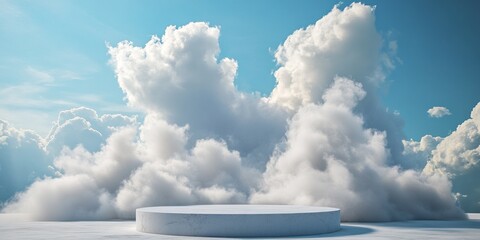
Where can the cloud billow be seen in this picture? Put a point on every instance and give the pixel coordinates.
(180, 77)
(22, 160)
(83, 126)
(322, 137)
(330, 159)
(26, 157)
(458, 157)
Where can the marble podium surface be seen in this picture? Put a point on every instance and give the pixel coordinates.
(238, 220)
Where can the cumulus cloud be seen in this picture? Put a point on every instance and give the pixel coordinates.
(83, 126)
(342, 43)
(179, 77)
(22, 160)
(458, 156)
(66, 198)
(321, 138)
(95, 177)
(26, 157)
(208, 172)
(418, 153)
(310, 58)
(130, 172)
(330, 159)
(455, 156)
(438, 112)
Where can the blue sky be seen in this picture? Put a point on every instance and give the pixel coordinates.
(335, 122)
(54, 53)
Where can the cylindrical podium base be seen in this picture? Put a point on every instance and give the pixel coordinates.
(238, 220)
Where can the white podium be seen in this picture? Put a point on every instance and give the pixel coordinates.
(238, 220)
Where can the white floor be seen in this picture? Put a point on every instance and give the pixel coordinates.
(16, 227)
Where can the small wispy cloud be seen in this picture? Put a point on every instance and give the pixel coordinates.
(50, 76)
(29, 96)
(9, 10)
(438, 112)
(39, 75)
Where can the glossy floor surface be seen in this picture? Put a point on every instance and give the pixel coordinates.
(17, 227)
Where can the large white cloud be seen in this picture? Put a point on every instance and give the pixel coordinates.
(22, 160)
(26, 157)
(179, 77)
(67, 198)
(461, 149)
(154, 167)
(458, 156)
(87, 183)
(342, 43)
(330, 159)
(322, 137)
(174, 174)
(455, 156)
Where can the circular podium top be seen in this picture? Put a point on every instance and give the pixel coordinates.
(238, 209)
